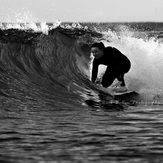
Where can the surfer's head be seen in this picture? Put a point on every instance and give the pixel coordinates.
(97, 49)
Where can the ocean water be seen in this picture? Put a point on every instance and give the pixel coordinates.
(51, 112)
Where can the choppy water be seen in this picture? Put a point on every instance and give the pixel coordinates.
(51, 112)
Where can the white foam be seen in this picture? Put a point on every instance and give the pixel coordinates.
(146, 56)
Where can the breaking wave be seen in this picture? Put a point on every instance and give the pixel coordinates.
(47, 62)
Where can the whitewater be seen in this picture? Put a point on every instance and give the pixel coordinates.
(50, 111)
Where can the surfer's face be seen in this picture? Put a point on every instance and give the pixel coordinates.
(97, 53)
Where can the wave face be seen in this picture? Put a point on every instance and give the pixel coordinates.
(45, 67)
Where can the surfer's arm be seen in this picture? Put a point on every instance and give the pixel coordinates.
(94, 72)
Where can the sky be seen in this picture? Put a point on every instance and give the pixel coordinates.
(81, 10)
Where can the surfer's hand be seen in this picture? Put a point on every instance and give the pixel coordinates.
(97, 81)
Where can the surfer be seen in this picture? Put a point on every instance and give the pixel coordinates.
(117, 65)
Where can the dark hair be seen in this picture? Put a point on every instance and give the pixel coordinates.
(99, 45)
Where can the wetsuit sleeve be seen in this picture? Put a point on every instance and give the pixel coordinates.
(94, 72)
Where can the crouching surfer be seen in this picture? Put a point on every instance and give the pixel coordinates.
(117, 65)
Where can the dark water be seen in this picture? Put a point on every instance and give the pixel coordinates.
(51, 112)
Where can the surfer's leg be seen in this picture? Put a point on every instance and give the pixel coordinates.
(122, 86)
(121, 78)
(124, 68)
(108, 78)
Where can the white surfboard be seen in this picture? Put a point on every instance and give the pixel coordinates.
(113, 93)
(123, 93)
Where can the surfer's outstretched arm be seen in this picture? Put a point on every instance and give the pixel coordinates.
(94, 72)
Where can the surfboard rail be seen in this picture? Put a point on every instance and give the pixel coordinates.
(110, 91)
(123, 93)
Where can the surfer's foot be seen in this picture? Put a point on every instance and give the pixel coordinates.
(120, 89)
(117, 84)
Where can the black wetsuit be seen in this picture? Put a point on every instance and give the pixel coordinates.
(117, 65)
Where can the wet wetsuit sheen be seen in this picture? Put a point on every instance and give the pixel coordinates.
(117, 65)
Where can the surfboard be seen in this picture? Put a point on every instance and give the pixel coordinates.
(129, 96)
(116, 94)
(129, 92)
